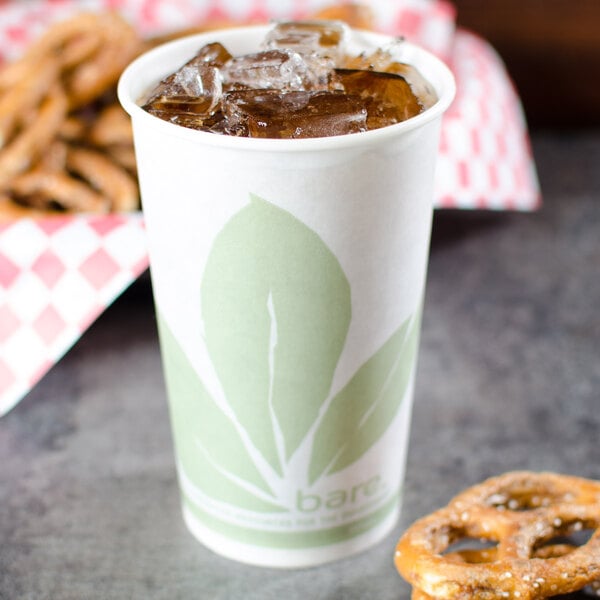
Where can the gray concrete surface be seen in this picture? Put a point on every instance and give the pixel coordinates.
(509, 378)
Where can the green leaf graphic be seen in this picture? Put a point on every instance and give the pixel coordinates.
(362, 411)
(208, 445)
(276, 309)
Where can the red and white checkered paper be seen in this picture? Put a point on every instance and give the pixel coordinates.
(57, 275)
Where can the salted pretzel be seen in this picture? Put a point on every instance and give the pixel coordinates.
(35, 134)
(119, 46)
(55, 153)
(527, 516)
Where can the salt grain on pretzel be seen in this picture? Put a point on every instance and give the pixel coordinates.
(522, 513)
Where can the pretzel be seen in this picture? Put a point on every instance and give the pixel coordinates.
(112, 127)
(60, 122)
(104, 175)
(123, 155)
(55, 157)
(36, 134)
(10, 209)
(49, 190)
(523, 513)
(91, 78)
(487, 555)
(65, 43)
(25, 95)
(73, 129)
(57, 38)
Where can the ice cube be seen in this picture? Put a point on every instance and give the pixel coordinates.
(193, 93)
(320, 43)
(215, 55)
(324, 38)
(389, 98)
(382, 60)
(194, 89)
(302, 85)
(271, 69)
(298, 114)
(212, 123)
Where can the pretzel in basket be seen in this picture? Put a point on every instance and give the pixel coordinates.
(527, 516)
(56, 104)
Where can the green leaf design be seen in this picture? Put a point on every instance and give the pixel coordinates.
(208, 447)
(276, 309)
(360, 413)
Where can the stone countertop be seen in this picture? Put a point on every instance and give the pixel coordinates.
(508, 378)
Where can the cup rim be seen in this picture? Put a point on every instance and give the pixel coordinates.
(446, 90)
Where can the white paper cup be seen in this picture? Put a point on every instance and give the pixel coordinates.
(288, 277)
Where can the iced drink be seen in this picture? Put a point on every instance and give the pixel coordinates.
(304, 83)
(287, 199)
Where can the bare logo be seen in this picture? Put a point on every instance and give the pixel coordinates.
(339, 498)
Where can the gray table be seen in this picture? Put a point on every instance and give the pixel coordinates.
(509, 378)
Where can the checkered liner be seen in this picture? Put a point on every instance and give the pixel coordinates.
(58, 275)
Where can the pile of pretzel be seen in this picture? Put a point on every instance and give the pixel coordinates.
(65, 143)
(525, 526)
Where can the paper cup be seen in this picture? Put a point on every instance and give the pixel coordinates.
(288, 278)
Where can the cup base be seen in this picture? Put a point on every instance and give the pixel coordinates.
(286, 558)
